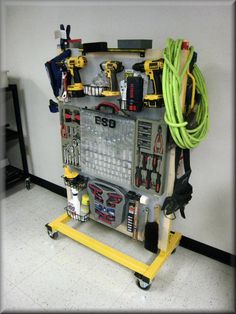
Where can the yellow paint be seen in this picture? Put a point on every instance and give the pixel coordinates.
(148, 271)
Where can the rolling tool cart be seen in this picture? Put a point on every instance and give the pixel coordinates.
(127, 166)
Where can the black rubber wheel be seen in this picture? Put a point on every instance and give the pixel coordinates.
(27, 183)
(53, 235)
(143, 288)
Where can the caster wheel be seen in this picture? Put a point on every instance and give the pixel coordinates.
(173, 252)
(53, 235)
(143, 285)
(27, 183)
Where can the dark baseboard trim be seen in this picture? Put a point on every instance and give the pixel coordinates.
(193, 245)
(48, 185)
(207, 250)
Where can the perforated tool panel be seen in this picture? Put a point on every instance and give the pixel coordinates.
(150, 156)
(107, 146)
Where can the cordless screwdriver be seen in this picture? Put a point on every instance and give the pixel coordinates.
(111, 68)
(74, 65)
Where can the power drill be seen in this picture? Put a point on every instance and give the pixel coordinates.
(111, 68)
(75, 64)
(153, 70)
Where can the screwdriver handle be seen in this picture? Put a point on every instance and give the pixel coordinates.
(145, 159)
(158, 183)
(148, 179)
(154, 163)
(138, 177)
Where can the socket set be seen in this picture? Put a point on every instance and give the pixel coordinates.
(150, 155)
(94, 90)
(70, 135)
(107, 146)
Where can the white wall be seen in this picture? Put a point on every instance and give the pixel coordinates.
(208, 26)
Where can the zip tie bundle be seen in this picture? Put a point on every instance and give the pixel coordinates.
(184, 136)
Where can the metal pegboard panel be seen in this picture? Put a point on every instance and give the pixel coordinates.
(107, 146)
(150, 156)
(70, 135)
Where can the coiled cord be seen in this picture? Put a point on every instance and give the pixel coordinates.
(183, 135)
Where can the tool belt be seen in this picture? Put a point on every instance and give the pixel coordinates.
(182, 192)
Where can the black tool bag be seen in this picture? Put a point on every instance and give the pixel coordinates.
(182, 192)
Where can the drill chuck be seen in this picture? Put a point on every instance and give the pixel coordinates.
(139, 67)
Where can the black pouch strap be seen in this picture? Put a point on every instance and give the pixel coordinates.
(186, 159)
(182, 192)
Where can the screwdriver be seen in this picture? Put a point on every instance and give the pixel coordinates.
(138, 174)
(158, 182)
(145, 159)
(149, 175)
(154, 163)
(158, 179)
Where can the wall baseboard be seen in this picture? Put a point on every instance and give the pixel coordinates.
(48, 185)
(193, 245)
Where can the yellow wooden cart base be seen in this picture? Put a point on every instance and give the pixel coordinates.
(145, 273)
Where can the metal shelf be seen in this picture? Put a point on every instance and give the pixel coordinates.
(11, 134)
(13, 174)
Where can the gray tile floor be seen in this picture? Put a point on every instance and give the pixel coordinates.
(41, 274)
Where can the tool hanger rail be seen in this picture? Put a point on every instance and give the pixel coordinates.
(126, 50)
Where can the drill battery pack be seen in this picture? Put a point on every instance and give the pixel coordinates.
(135, 93)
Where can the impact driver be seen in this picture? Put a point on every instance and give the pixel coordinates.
(111, 68)
(153, 70)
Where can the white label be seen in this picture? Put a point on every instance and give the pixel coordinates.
(60, 34)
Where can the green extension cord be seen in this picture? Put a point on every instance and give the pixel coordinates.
(184, 136)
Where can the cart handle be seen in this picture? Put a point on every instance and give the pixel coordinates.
(107, 104)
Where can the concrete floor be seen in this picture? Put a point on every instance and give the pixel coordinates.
(41, 274)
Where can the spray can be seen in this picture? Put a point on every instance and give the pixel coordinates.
(70, 179)
(74, 204)
(84, 209)
(123, 91)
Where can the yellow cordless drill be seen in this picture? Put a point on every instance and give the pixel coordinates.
(75, 64)
(111, 68)
(153, 70)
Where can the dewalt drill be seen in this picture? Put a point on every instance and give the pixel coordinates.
(75, 64)
(153, 70)
(111, 68)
